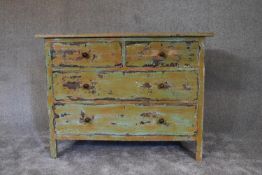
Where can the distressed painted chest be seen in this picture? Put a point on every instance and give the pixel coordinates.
(127, 87)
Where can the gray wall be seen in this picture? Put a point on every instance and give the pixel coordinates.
(233, 59)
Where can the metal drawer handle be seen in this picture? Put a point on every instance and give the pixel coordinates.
(85, 55)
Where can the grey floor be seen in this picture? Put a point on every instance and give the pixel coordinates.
(28, 154)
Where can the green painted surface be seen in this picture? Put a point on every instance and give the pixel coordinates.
(86, 54)
(125, 119)
(162, 54)
(126, 85)
(128, 88)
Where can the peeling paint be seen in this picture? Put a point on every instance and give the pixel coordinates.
(161, 54)
(126, 87)
(139, 120)
(80, 54)
(72, 85)
(131, 86)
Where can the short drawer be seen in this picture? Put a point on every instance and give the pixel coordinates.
(125, 119)
(182, 54)
(86, 54)
(119, 85)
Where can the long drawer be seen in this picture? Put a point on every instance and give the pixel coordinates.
(90, 85)
(125, 119)
(86, 54)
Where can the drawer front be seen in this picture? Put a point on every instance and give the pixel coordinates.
(162, 54)
(125, 119)
(125, 85)
(86, 54)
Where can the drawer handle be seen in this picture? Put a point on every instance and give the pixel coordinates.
(164, 85)
(84, 118)
(85, 55)
(86, 86)
(162, 54)
(87, 120)
(161, 121)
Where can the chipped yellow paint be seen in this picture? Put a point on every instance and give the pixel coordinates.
(164, 54)
(125, 137)
(128, 119)
(200, 103)
(50, 100)
(88, 54)
(126, 85)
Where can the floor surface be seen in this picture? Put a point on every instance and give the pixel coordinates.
(28, 154)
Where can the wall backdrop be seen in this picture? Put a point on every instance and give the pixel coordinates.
(233, 100)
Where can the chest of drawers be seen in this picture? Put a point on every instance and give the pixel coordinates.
(126, 87)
